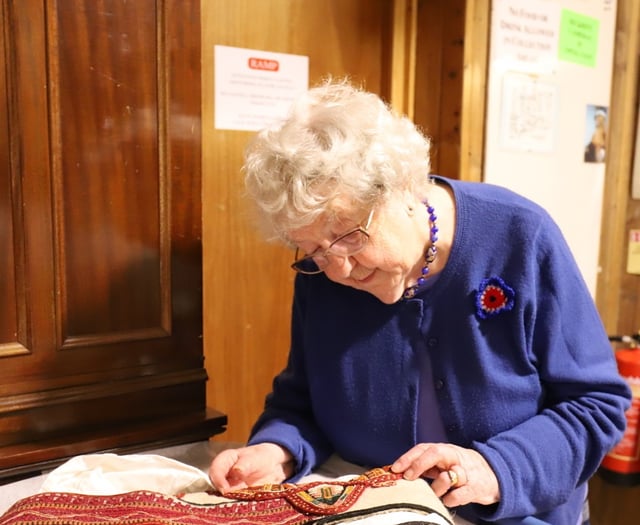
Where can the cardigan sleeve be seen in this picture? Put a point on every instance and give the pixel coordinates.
(288, 418)
(541, 461)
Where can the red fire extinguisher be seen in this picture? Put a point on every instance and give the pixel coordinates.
(622, 464)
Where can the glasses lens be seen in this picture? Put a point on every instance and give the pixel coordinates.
(350, 244)
(306, 265)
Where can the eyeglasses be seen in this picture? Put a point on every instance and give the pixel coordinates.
(346, 245)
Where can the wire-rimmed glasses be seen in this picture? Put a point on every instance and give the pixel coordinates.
(346, 245)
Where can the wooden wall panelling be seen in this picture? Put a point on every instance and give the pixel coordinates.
(19, 281)
(9, 317)
(31, 235)
(618, 293)
(247, 281)
(404, 33)
(101, 150)
(439, 77)
(429, 65)
(474, 89)
(111, 150)
(614, 288)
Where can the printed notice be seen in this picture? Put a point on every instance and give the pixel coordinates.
(633, 254)
(253, 88)
(578, 38)
(525, 34)
(528, 114)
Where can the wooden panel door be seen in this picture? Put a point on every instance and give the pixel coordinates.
(100, 226)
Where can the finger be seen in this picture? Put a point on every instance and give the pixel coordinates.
(219, 482)
(217, 475)
(458, 497)
(235, 476)
(244, 471)
(404, 462)
(423, 460)
(250, 471)
(459, 493)
(235, 480)
(458, 476)
(237, 484)
(453, 478)
(441, 483)
(433, 456)
(222, 468)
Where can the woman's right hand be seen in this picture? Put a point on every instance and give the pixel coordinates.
(239, 468)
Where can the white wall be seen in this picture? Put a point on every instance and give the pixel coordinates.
(550, 69)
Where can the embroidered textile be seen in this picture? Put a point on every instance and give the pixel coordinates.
(285, 504)
(320, 497)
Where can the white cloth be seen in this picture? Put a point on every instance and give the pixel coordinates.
(107, 474)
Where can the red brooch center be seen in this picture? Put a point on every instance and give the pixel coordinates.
(493, 296)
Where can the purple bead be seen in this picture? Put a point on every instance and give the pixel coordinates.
(429, 255)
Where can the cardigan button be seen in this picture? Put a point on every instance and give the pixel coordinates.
(432, 342)
(439, 384)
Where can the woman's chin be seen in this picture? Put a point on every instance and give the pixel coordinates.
(387, 295)
(376, 285)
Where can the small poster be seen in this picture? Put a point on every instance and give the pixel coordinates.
(255, 88)
(635, 176)
(529, 114)
(633, 253)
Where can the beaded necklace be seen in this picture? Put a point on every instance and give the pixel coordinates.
(429, 254)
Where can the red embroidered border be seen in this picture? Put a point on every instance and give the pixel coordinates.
(286, 504)
(299, 495)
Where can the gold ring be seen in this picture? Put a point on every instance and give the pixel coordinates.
(453, 477)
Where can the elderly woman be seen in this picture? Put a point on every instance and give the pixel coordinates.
(439, 326)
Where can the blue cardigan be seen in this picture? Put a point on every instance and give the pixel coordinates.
(523, 371)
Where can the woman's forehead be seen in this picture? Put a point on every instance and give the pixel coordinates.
(332, 222)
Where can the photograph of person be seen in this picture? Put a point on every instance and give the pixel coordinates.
(596, 134)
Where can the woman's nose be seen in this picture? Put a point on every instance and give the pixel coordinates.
(340, 266)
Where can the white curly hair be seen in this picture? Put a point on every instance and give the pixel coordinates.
(338, 141)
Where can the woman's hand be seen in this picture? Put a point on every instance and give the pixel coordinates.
(239, 468)
(460, 475)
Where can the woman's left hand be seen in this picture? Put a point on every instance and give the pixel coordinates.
(460, 475)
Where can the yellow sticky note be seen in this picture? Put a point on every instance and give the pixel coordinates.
(633, 255)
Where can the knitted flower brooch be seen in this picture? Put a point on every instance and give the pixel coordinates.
(493, 296)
